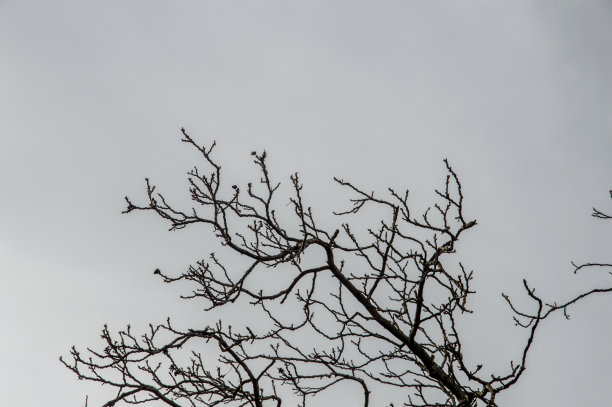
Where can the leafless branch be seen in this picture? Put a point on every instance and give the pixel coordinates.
(379, 306)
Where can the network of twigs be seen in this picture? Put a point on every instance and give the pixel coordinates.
(377, 309)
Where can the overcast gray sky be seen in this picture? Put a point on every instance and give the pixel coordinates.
(517, 94)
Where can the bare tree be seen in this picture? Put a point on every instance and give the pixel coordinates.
(378, 308)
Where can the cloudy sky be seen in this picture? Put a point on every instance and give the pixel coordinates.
(517, 94)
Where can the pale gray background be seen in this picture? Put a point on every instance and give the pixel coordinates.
(517, 94)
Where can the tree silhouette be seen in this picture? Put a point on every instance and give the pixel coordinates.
(378, 308)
